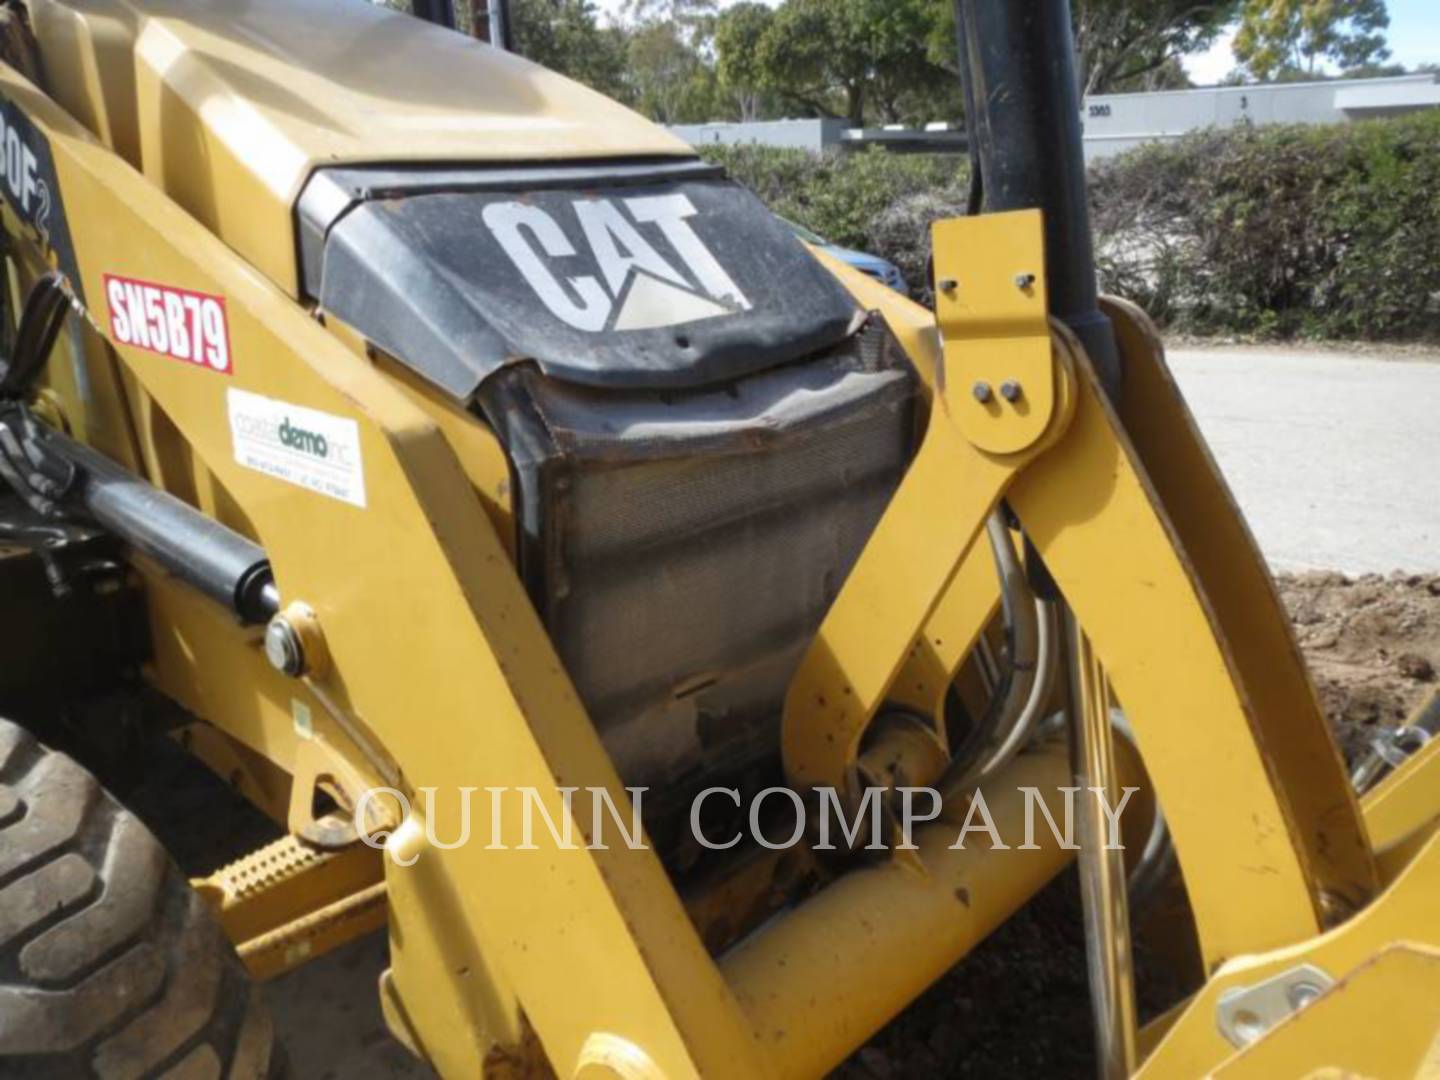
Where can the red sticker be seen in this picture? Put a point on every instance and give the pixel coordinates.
(177, 323)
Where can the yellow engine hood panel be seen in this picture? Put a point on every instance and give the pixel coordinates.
(229, 104)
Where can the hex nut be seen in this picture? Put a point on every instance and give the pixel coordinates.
(295, 644)
(283, 649)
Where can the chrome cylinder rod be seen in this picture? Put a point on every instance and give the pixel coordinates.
(1101, 861)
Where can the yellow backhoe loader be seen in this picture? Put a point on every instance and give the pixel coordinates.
(677, 640)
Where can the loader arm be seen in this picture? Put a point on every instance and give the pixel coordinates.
(434, 542)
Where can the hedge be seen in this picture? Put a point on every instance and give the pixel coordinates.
(1330, 231)
(841, 195)
(1312, 231)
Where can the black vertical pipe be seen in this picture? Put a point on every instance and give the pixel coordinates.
(492, 23)
(439, 12)
(1018, 65)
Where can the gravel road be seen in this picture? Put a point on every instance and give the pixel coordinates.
(1334, 458)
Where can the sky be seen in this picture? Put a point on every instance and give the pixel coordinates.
(1414, 39)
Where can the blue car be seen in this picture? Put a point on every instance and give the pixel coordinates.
(882, 270)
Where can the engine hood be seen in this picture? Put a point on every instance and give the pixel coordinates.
(230, 106)
(643, 275)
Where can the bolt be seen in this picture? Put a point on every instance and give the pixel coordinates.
(949, 285)
(283, 649)
(982, 392)
(1024, 281)
(1248, 1026)
(1303, 993)
(1011, 390)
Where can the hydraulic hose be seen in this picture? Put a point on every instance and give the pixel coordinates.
(59, 477)
(1019, 697)
(41, 321)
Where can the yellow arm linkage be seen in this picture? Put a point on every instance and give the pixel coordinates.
(1150, 552)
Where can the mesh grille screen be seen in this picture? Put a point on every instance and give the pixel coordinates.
(686, 548)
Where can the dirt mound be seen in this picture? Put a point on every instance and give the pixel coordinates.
(1372, 643)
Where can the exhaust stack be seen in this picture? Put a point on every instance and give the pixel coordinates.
(1017, 61)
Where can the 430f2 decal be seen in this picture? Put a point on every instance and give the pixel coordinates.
(28, 183)
(183, 325)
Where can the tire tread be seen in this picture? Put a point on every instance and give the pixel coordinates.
(111, 966)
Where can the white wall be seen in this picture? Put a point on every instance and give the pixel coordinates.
(1118, 122)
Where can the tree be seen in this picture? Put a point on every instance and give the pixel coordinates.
(738, 33)
(566, 36)
(669, 79)
(678, 11)
(1277, 36)
(847, 57)
(670, 60)
(1119, 44)
(1171, 75)
(692, 20)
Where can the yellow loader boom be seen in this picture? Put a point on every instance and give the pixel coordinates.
(528, 523)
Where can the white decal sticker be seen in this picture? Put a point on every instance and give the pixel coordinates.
(305, 447)
(648, 291)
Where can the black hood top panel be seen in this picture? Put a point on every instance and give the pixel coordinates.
(622, 276)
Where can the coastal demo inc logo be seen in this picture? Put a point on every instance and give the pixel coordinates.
(311, 449)
(307, 442)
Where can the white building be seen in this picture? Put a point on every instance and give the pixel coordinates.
(827, 134)
(1115, 123)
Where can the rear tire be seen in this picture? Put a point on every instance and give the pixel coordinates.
(110, 964)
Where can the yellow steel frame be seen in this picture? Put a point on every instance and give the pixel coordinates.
(1403, 918)
(1137, 528)
(289, 902)
(435, 649)
(437, 656)
(1402, 812)
(914, 552)
(1397, 992)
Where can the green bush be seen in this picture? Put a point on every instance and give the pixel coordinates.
(1327, 231)
(839, 195)
(1280, 231)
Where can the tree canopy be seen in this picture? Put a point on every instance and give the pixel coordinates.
(566, 36)
(857, 59)
(1278, 37)
(1127, 45)
(876, 62)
